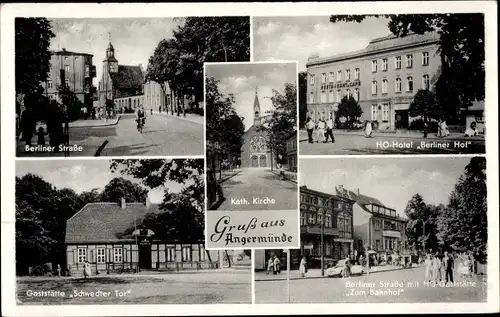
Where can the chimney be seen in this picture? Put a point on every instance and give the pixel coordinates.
(123, 203)
(357, 190)
(147, 203)
(64, 49)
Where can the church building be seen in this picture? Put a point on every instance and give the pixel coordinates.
(254, 151)
(121, 83)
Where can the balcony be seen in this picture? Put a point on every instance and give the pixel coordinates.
(317, 230)
(391, 233)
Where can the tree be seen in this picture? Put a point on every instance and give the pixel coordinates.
(461, 49)
(426, 105)
(421, 229)
(463, 225)
(302, 99)
(71, 102)
(283, 121)
(119, 188)
(350, 109)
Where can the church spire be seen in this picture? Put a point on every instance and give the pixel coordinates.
(256, 109)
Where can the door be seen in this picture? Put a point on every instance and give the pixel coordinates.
(145, 256)
(401, 119)
(263, 161)
(255, 161)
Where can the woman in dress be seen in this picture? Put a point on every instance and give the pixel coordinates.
(302, 267)
(86, 269)
(437, 264)
(444, 129)
(428, 267)
(368, 129)
(270, 265)
(320, 133)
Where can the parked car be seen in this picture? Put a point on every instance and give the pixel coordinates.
(338, 269)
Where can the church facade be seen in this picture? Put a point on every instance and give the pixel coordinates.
(254, 151)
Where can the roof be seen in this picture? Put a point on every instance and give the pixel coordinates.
(305, 189)
(366, 200)
(128, 77)
(476, 106)
(256, 103)
(65, 52)
(377, 45)
(105, 222)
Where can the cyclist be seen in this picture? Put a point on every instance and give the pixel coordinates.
(140, 114)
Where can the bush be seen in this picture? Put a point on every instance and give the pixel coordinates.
(40, 270)
(418, 125)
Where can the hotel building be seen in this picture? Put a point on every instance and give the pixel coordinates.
(383, 78)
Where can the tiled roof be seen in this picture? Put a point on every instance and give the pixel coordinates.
(366, 200)
(105, 222)
(128, 77)
(64, 52)
(306, 190)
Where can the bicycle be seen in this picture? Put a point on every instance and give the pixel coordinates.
(140, 124)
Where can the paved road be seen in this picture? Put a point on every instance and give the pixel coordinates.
(358, 144)
(337, 290)
(161, 136)
(253, 183)
(183, 288)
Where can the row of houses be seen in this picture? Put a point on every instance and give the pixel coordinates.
(352, 222)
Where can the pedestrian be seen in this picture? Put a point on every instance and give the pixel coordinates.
(58, 270)
(329, 130)
(425, 129)
(368, 129)
(41, 136)
(277, 265)
(320, 132)
(270, 265)
(346, 271)
(303, 267)
(310, 128)
(437, 265)
(86, 270)
(471, 131)
(428, 267)
(439, 133)
(449, 265)
(444, 129)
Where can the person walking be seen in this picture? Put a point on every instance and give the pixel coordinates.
(449, 265)
(270, 264)
(428, 267)
(320, 132)
(303, 267)
(347, 268)
(439, 132)
(58, 270)
(86, 269)
(310, 128)
(329, 130)
(277, 265)
(368, 129)
(437, 265)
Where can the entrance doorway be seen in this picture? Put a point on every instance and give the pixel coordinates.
(401, 119)
(144, 256)
(255, 161)
(263, 161)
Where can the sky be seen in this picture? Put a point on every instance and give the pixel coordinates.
(242, 79)
(134, 40)
(391, 180)
(82, 175)
(297, 38)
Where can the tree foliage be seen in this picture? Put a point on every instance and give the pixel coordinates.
(302, 99)
(70, 101)
(421, 227)
(119, 188)
(461, 49)
(426, 105)
(350, 109)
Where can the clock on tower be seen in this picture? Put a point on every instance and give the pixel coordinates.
(113, 67)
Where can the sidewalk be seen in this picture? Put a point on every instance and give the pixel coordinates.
(189, 116)
(228, 175)
(316, 273)
(287, 176)
(398, 134)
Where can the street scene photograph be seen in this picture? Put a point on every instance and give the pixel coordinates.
(119, 86)
(251, 145)
(93, 232)
(383, 84)
(384, 230)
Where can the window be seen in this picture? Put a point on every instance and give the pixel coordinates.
(384, 86)
(118, 255)
(313, 79)
(385, 113)
(384, 64)
(49, 83)
(302, 198)
(348, 93)
(397, 62)
(323, 78)
(186, 254)
(339, 95)
(101, 257)
(425, 82)
(347, 223)
(328, 221)
(331, 77)
(374, 66)
(374, 112)
(397, 87)
(330, 95)
(170, 254)
(425, 58)
(82, 255)
(66, 68)
(312, 219)
(323, 96)
(311, 97)
(409, 84)
(356, 94)
(339, 75)
(65, 58)
(347, 74)
(356, 73)
(66, 82)
(377, 224)
(320, 219)
(374, 87)
(303, 219)
(409, 61)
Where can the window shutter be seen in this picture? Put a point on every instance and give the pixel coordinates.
(75, 256)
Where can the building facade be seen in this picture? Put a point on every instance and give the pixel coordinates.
(119, 81)
(291, 152)
(254, 151)
(383, 78)
(76, 71)
(376, 226)
(111, 238)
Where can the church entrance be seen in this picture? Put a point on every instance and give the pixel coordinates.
(255, 161)
(263, 161)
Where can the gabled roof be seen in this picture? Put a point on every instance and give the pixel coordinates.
(67, 53)
(366, 200)
(127, 77)
(105, 222)
(256, 103)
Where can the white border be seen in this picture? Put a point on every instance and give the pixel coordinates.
(298, 187)
(9, 11)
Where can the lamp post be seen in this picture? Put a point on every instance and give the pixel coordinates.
(322, 240)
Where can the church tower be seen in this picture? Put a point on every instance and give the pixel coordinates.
(256, 110)
(110, 64)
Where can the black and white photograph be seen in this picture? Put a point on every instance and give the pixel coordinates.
(251, 145)
(119, 86)
(384, 230)
(383, 84)
(119, 232)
